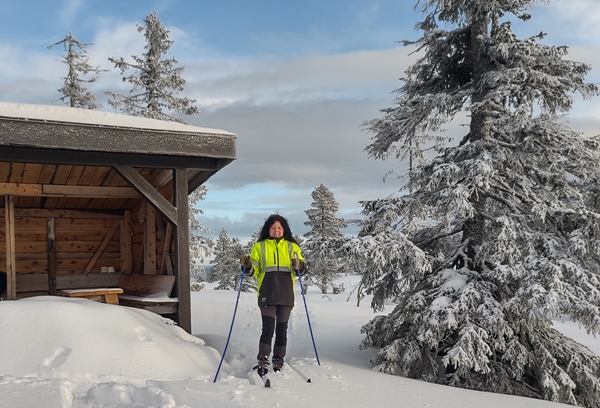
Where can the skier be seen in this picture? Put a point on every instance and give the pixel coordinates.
(274, 260)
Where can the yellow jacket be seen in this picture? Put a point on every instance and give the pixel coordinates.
(272, 262)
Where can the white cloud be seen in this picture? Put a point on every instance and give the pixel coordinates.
(354, 75)
(122, 40)
(29, 77)
(576, 18)
(589, 55)
(69, 10)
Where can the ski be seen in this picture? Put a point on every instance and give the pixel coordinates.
(300, 373)
(266, 381)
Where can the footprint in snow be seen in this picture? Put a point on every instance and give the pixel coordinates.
(142, 333)
(58, 359)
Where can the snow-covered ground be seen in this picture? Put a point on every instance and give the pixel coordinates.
(62, 352)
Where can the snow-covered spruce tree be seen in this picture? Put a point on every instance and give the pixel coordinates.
(253, 240)
(324, 265)
(497, 234)
(74, 92)
(237, 251)
(197, 278)
(201, 244)
(225, 266)
(155, 80)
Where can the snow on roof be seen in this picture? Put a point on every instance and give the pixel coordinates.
(94, 117)
(66, 128)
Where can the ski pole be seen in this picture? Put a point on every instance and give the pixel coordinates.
(307, 315)
(231, 328)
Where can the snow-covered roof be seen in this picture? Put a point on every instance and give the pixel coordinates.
(61, 127)
(55, 113)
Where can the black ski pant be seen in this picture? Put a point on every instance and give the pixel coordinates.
(274, 320)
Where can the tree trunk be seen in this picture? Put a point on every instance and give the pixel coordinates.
(473, 230)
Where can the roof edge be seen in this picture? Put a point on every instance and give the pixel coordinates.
(68, 115)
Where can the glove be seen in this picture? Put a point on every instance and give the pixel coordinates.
(297, 263)
(246, 265)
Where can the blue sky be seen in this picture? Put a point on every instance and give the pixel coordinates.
(225, 28)
(294, 80)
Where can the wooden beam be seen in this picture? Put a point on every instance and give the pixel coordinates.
(90, 280)
(140, 256)
(103, 244)
(165, 259)
(11, 273)
(122, 240)
(147, 190)
(198, 180)
(182, 249)
(126, 255)
(150, 242)
(128, 242)
(52, 271)
(32, 282)
(55, 190)
(88, 191)
(21, 189)
(53, 213)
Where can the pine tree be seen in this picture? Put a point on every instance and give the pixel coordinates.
(497, 234)
(75, 94)
(325, 267)
(201, 245)
(237, 251)
(225, 266)
(253, 240)
(155, 80)
(197, 278)
(250, 283)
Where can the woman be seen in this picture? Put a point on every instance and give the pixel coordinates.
(274, 260)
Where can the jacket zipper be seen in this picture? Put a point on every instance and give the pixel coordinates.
(277, 273)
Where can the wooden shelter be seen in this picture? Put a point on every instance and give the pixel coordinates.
(84, 192)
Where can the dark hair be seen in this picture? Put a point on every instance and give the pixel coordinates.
(287, 232)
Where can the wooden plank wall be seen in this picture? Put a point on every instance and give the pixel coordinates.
(77, 240)
(135, 245)
(148, 249)
(76, 243)
(30, 245)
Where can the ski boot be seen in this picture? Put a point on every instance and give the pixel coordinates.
(263, 365)
(277, 363)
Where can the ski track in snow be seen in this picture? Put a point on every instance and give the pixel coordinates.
(230, 391)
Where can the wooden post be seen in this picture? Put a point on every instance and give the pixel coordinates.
(140, 256)
(51, 257)
(150, 242)
(182, 249)
(11, 274)
(126, 255)
(165, 260)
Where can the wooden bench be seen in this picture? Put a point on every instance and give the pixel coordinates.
(36, 284)
(150, 292)
(101, 287)
(105, 295)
